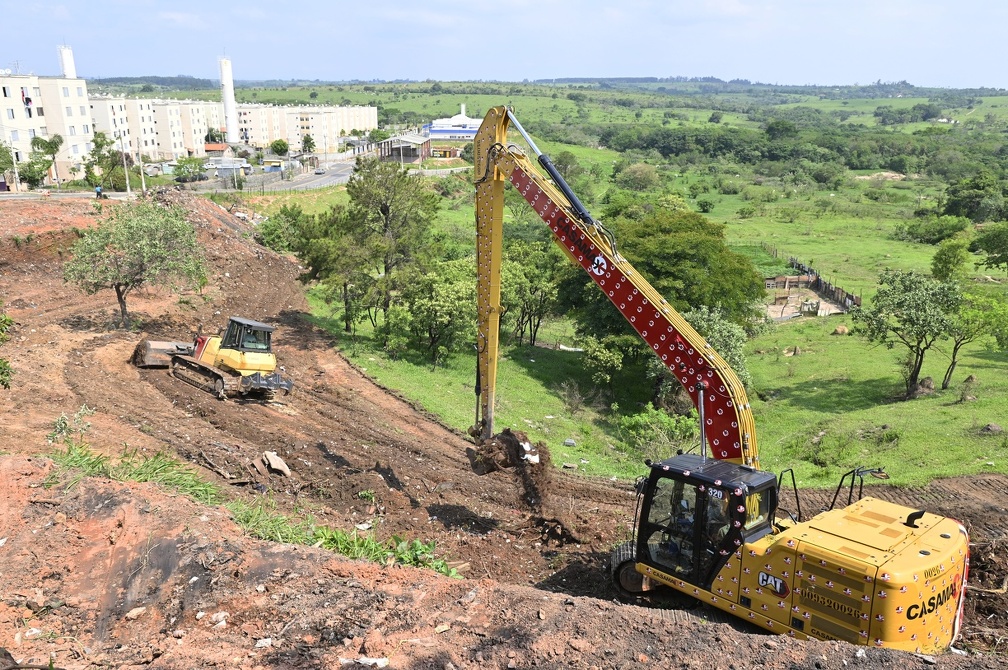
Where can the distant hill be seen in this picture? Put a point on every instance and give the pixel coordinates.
(150, 83)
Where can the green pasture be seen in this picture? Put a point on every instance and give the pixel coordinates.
(836, 404)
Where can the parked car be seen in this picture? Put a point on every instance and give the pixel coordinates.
(320, 170)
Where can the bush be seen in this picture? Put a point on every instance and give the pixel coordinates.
(933, 229)
(705, 205)
(656, 434)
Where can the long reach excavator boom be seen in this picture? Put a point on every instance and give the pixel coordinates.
(712, 385)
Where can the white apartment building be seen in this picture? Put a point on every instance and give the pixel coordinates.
(168, 129)
(194, 127)
(143, 127)
(33, 106)
(109, 116)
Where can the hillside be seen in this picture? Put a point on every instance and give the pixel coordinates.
(106, 574)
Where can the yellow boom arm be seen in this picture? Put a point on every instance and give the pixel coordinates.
(713, 386)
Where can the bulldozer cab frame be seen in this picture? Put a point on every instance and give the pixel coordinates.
(247, 335)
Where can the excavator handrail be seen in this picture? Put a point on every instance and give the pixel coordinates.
(728, 423)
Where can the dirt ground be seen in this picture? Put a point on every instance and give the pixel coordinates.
(105, 574)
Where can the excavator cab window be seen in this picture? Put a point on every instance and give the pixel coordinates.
(670, 528)
(689, 528)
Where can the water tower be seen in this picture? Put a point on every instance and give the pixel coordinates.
(228, 98)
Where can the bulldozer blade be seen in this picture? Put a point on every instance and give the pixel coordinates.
(158, 353)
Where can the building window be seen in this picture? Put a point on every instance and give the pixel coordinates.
(39, 111)
(13, 136)
(6, 92)
(87, 129)
(31, 132)
(80, 91)
(66, 92)
(75, 149)
(83, 110)
(27, 112)
(69, 111)
(17, 156)
(73, 130)
(10, 113)
(88, 147)
(36, 92)
(43, 132)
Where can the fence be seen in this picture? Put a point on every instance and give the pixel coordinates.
(809, 277)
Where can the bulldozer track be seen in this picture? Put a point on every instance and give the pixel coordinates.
(198, 376)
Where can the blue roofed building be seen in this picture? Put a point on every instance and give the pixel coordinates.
(458, 127)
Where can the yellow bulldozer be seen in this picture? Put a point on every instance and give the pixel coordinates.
(240, 362)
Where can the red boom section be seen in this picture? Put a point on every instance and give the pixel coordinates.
(728, 428)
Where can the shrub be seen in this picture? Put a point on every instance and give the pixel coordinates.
(656, 434)
(933, 229)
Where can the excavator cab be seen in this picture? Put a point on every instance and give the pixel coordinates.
(695, 513)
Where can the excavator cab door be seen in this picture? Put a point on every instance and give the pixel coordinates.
(690, 523)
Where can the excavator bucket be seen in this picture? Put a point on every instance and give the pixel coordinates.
(158, 353)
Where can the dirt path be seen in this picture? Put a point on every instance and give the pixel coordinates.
(75, 565)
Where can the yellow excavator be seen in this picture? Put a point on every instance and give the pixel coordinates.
(871, 573)
(240, 362)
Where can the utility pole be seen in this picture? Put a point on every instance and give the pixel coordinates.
(122, 151)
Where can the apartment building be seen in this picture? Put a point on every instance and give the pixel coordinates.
(38, 106)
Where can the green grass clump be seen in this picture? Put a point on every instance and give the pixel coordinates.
(260, 519)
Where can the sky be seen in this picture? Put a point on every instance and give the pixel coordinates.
(942, 43)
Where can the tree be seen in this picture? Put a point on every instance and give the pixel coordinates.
(979, 198)
(378, 135)
(912, 310)
(313, 95)
(282, 231)
(6, 159)
(50, 147)
(138, 243)
(393, 212)
(684, 256)
(441, 300)
(638, 177)
(214, 136)
(779, 129)
(188, 169)
(33, 171)
(337, 255)
(949, 261)
(530, 288)
(977, 317)
(104, 161)
(307, 144)
(279, 147)
(993, 241)
(6, 373)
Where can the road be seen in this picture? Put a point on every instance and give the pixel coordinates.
(337, 172)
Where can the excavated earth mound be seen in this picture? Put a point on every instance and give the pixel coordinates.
(105, 574)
